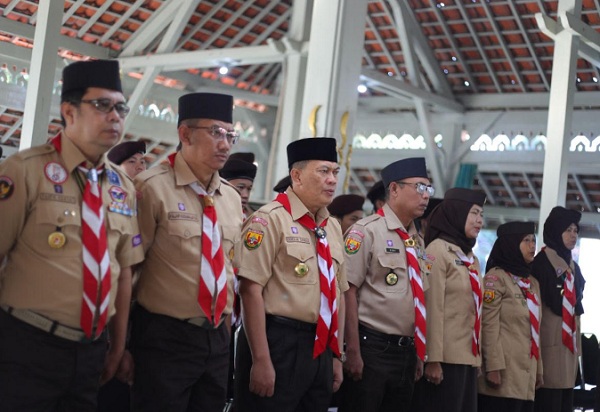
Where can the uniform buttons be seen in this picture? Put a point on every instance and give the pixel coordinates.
(73, 213)
(67, 212)
(61, 219)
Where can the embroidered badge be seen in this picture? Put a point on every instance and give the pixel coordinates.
(253, 239)
(136, 240)
(56, 173)
(261, 221)
(7, 187)
(489, 284)
(390, 243)
(294, 230)
(489, 295)
(356, 232)
(181, 206)
(352, 245)
(117, 194)
(58, 189)
(113, 177)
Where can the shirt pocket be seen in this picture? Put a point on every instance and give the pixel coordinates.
(125, 225)
(184, 241)
(393, 276)
(300, 264)
(57, 230)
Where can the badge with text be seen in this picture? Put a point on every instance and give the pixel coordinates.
(7, 187)
(253, 239)
(352, 245)
(56, 173)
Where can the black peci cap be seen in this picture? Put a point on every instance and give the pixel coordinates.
(125, 150)
(344, 204)
(401, 169)
(317, 148)
(206, 106)
(283, 184)
(238, 169)
(93, 73)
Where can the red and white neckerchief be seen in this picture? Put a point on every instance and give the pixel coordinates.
(416, 283)
(477, 295)
(569, 328)
(327, 325)
(534, 314)
(96, 259)
(213, 276)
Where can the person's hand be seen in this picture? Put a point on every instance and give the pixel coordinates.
(493, 379)
(338, 374)
(419, 369)
(434, 373)
(111, 364)
(354, 364)
(539, 381)
(262, 378)
(126, 369)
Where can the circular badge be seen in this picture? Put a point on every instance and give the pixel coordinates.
(320, 232)
(56, 240)
(410, 242)
(56, 173)
(208, 201)
(7, 187)
(391, 278)
(301, 270)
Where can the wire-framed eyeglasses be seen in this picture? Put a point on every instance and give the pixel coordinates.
(107, 106)
(220, 133)
(421, 188)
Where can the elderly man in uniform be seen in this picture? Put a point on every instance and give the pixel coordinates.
(291, 281)
(70, 237)
(385, 312)
(190, 220)
(240, 171)
(130, 156)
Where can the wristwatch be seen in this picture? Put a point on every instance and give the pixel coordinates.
(342, 357)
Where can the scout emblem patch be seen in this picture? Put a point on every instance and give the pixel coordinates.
(301, 270)
(352, 245)
(391, 278)
(253, 239)
(7, 187)
(55, 172)
(113, 177)
(117, 194)
(489, 295)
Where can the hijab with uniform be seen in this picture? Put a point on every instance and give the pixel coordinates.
(447, 221)
(506, 252)
(551, 283)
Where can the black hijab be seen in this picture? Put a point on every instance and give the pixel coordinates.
(506, 252)
(447, 221)
(557, 222)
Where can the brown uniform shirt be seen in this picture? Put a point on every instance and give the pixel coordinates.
(49, 280)
(376, 264)
(281, 255)
(170, 219)
(506, 337)
(450, 307)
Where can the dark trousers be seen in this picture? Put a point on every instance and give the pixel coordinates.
(553, 400)
(456, 393)
(179, 367)
(487, 403)
(387, 381)
(114, 396)
(301, 382)
(40, 372)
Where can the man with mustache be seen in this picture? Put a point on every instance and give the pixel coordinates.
(190, 220)
(385, 309)
(70, 237)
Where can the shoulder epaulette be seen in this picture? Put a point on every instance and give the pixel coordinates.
(36, 151)
(153, 171)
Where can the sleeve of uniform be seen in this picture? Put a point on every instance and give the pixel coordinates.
(357, 253)
(494, 292)
(147, 217)
(129, 251)
(435, 301)
(13, 202)
(260, 238)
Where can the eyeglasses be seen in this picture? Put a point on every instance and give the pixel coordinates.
(107, 106)
(420, 187)
(219, 133)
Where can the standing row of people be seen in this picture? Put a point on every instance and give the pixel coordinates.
(406, 306)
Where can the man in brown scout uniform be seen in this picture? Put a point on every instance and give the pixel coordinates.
(70, 237)
(292, 271)
(190, 220)
(385, 312)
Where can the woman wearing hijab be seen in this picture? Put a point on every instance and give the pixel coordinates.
(453, 303)
(561, 288)
(512, 363)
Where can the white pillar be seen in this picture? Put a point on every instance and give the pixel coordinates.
(556, 167)
(41, 74)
